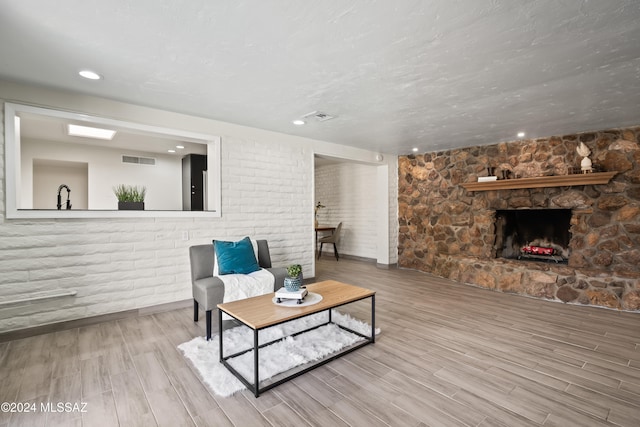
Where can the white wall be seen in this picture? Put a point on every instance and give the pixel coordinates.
(126, 263)
(392, 212)
(106, 170)
(47, 178)
(346, 191)
(354, 191)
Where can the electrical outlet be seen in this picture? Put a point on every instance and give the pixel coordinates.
(185, 235)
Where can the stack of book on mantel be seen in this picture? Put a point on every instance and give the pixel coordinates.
(487, 178)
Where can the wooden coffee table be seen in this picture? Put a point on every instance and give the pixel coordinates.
(260, 312)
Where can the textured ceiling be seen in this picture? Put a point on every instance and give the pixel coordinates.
(431, 74)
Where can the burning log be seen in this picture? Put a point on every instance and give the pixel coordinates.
(537, 250)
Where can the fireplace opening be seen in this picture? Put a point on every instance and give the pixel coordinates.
(533, 234)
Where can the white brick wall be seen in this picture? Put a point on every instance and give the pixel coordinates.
(129, 263)
(118, 265)
(2, 181)
(122, 264)
(347, 190)
(393, 212)
(267, 192)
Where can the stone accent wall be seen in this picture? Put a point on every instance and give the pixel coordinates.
(448, 231)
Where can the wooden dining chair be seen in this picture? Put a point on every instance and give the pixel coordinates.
(333, 238)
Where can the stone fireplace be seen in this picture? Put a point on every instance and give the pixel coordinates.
(467, 236)
(540, 235)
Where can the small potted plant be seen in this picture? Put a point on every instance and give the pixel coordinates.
(293, 281)
(130, 197)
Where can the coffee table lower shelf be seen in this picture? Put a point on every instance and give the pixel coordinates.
(255, 386)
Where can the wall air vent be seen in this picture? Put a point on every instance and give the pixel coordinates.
(138, 160)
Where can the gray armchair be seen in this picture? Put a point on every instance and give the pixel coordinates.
(208, 290)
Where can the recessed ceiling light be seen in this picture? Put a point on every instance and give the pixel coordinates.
(414, 149)
(521, 134)
(298, 122)
(180, 147)
(171, 151)
(90, 132)
(91, 75)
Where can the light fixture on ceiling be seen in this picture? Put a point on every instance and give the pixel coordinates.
(90, 132)
(319, 116)
(414, 149)
(91, 75)
(521, 134)
(180, 147)
(171, 151)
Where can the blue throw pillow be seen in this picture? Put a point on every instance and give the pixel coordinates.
(235, 257)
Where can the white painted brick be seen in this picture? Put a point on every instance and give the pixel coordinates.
(117, 259)
(123, 264)
(105, 285)
(46, 317)
(147, 295)
(13, 320)
(128, 302)
(168, 256)
(99, 281)
(393, 213)
(347, 191)
(156, 244)
(7, 276)
(68, 272)
(157, 226)
(105, 296)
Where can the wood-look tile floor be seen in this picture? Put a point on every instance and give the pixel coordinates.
(448, 355)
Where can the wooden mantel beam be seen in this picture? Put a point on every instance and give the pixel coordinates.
(542, 181)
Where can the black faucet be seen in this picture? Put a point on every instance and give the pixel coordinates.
(60, 200)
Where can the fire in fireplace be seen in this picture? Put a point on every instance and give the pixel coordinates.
(533, 234)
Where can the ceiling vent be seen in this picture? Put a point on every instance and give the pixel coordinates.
(319, 116)
(138, 160)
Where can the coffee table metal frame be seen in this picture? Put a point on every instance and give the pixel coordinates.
(255, 387)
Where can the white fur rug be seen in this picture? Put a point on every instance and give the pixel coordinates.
(276, 358)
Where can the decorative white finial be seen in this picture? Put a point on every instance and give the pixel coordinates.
(584, 151)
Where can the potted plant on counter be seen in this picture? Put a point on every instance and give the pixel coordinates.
(293, 281)
(130, 197)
